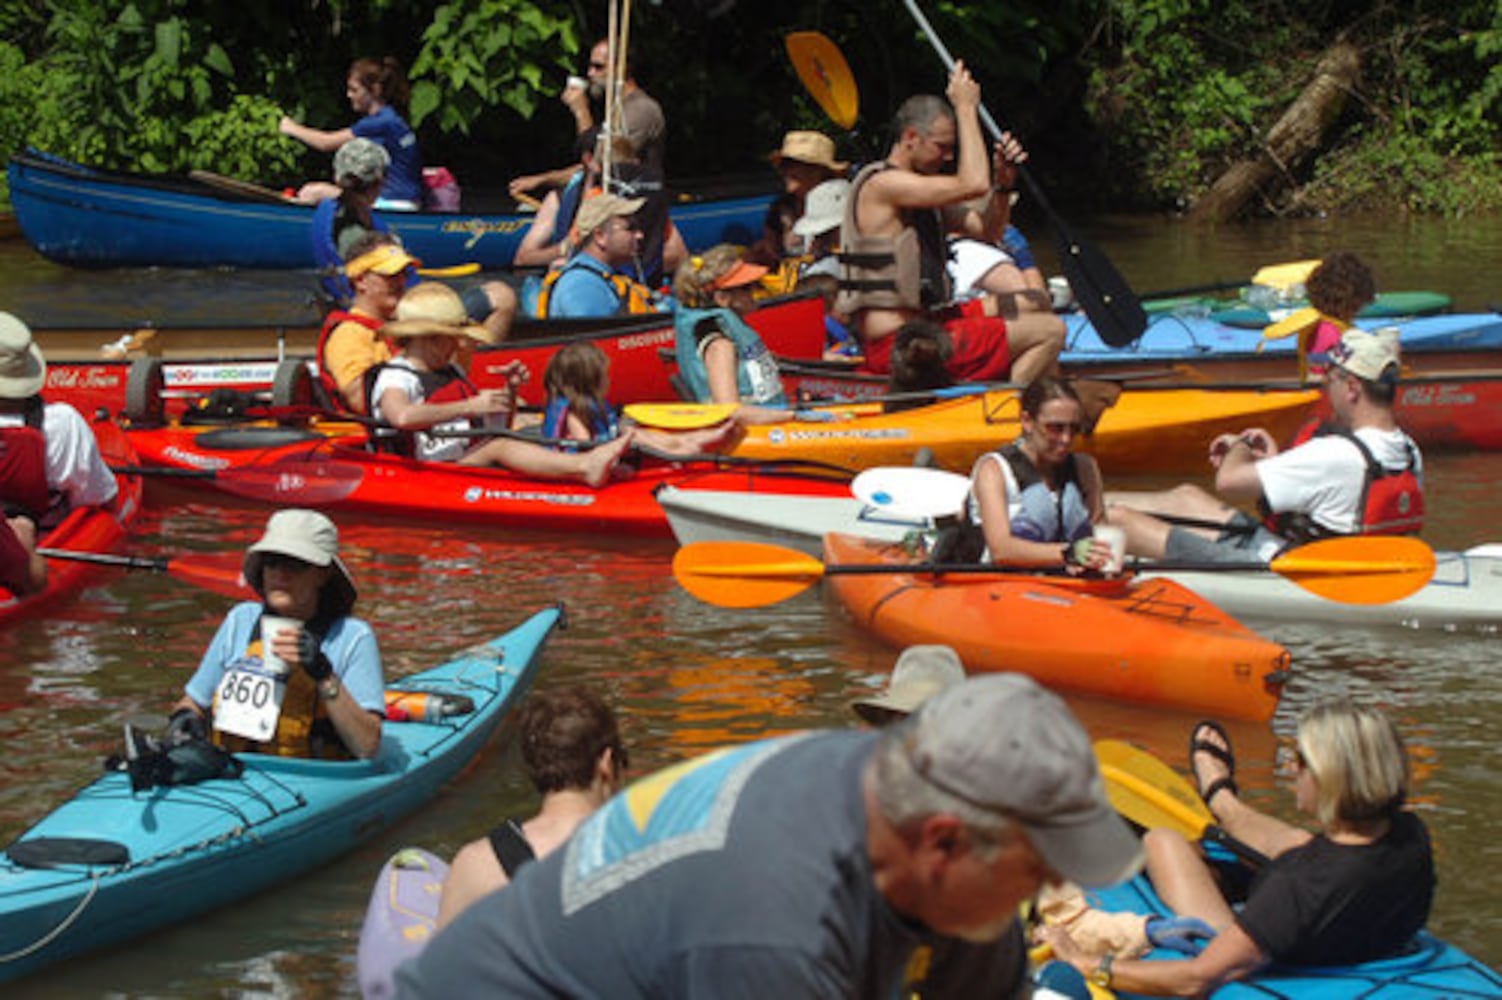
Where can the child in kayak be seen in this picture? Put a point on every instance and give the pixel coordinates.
(1340, 287)
(577, 381)
(422, 390)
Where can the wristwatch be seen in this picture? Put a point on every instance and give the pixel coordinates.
(1101, 975)
(328, 688)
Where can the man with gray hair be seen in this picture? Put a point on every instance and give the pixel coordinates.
(893, 249)
(818, 864)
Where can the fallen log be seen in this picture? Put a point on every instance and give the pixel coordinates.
(1290, 141)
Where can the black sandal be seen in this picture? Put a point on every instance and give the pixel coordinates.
(1221, 753)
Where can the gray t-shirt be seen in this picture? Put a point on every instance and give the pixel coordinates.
(740, 874)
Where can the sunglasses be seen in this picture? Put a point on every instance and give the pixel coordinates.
(1062, 427)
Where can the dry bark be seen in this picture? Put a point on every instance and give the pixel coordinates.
(1295, 137)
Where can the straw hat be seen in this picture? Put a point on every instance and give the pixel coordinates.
(433, 308)
(809, 147)
(22, 368)
(920, 673)
(309, 536)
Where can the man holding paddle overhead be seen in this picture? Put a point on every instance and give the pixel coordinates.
(894, 251)
(1359, 474)
(813, 865)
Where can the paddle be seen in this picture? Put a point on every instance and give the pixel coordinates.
(1280, 276)
(210, 572)
(826, 76)
(1350, 570)
(306, 482)
(452, 271)
(1152, 795)
(1105, 296)
(691, 416)
(244, 189)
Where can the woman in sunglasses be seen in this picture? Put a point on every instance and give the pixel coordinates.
(1036, 501)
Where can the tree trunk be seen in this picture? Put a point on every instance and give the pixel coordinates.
(1295, 136)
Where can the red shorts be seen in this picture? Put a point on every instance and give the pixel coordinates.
(981, 353)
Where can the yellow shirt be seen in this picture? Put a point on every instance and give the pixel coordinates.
(352, 350)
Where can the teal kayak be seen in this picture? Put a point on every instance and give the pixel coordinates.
(1428, 968)
(110, 864)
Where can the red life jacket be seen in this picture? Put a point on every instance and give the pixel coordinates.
(1392, 503)
(23, 466)
(447, 385)
(333, 319)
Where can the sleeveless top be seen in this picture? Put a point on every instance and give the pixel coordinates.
(757, 378)
(1037, 513)
(604, 423)
(906, 271)
(511, 847)
(446, 385)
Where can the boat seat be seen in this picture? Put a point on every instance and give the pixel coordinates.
(249, 438)
(54, 852)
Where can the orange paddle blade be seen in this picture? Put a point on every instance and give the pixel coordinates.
(825, 75)
(1366, 569)
(744, 574)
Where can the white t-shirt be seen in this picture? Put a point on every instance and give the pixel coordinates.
(1323, 477)
(74, 466)
(969, 262)
(399, 374)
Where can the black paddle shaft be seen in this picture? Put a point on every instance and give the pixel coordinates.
(1101, 291)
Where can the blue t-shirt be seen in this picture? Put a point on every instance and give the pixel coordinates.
(404, 176)
(1015, 244)
(584, 289)
(350, 646)
(742, 873)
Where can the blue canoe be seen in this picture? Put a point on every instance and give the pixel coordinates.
(191, 848)
(86, 217)
(1429, 968)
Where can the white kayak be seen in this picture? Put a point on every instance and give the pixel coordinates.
(1464, 595)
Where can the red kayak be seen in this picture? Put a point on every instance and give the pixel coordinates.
(294, 466)
(85, 530)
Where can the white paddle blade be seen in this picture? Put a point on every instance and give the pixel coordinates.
(904, 491)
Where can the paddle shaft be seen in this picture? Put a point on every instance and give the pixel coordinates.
(157, 564)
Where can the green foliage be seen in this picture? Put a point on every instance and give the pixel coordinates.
(482, 54)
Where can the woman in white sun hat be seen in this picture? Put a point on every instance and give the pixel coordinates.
(320, 692)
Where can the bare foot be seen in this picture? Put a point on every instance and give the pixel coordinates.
(601, 460)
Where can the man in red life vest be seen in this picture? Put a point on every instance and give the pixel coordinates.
(351, 342)
(49, 460)
(1360, 474)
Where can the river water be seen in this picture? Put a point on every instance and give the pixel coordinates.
(685, 676)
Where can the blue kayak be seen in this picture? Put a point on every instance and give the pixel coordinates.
(1171, 338)
(1430, 968)
(159, 856)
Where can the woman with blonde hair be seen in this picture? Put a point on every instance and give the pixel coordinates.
(1357, 890)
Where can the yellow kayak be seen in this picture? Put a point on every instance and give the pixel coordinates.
(1146, 431)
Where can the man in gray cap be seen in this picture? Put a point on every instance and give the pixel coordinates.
(49, 459)
(588, 285)
(818, 864)
(1356, 474)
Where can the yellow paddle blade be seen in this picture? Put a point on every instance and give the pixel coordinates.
(680, 416)
(1284, 276)
(1367, 569)
(452, 271)
(744, 574)
(1149, 792)
(825, 75)
(1291, 324)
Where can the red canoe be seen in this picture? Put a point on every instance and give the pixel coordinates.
(88, 529)
(294, 466)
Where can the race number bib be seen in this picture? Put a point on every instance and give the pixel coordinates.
(249, 701)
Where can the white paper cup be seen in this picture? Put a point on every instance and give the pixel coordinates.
(1116, 538)
(270, 626)
(576, 82)
(1060, 292)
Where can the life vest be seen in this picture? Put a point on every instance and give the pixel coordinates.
(634, 297)
(906, 271)
(757, 378)
(1040, 514)
(511, 847)
(447, 385)
(302, 730)
(327, 222)
(603, 421)
(332, 320)
(23, 465)
(1392, 502)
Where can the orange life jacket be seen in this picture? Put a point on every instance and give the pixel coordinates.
(1392, 503)
(333, 319)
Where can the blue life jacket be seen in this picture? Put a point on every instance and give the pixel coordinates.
(757, 378)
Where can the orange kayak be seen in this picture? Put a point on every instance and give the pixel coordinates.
(1151, 642)
(1145, 431)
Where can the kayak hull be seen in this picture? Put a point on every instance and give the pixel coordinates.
(392, 485)
(1431, 968)
(1147, 432)
(88, 529)
(1153, 643)
(196, 847)
(703, 515)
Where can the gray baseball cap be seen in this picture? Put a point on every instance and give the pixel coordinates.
(1005, 745)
